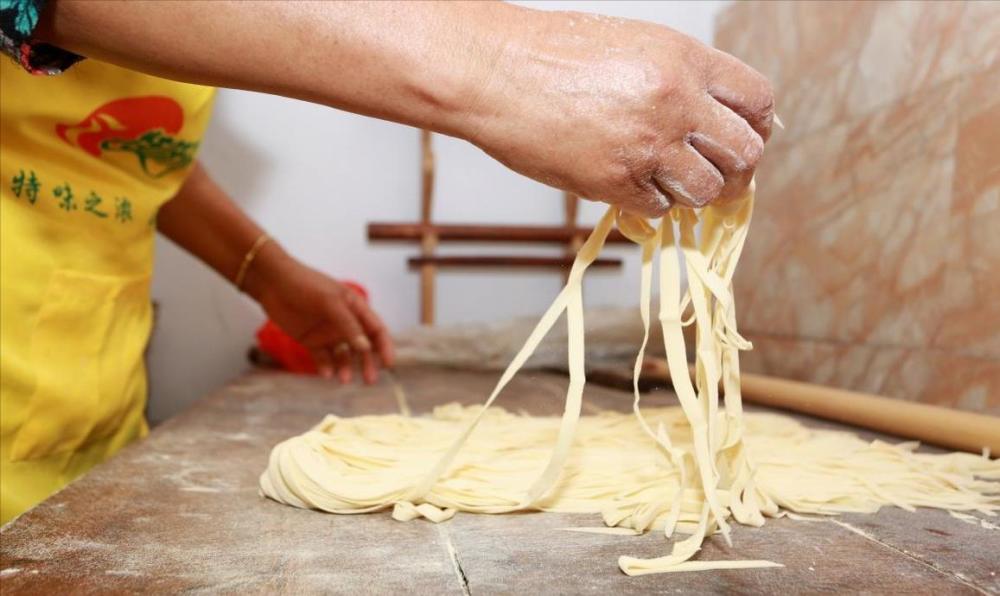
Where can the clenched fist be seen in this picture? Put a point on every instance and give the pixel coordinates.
(627, 112)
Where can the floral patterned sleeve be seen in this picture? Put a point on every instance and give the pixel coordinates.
(18, 19)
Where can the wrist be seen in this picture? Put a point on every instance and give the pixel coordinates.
(263, 272)
(463, 94)
(517, 67)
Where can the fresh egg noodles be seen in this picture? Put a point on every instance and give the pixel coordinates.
(692, 469)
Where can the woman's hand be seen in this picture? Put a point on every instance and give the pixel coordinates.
(329, 319)
(627, 112)
(332, 321)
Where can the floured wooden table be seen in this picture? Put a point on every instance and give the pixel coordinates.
(180, 512)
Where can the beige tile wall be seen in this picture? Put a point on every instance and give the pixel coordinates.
(874, 258)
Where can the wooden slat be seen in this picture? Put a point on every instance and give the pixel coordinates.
(428, 274)
(426, 176)
(571, 207)
(428, 238)
(483, 233)
(504, 261)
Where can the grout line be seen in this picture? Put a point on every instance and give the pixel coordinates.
(455, 563)
(954, 575)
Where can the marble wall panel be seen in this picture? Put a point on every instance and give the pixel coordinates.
(850, 237)
(832, 61)
(972, 317)
(874, 258)
(925, 375)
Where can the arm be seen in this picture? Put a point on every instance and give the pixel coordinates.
(413, 63)
(314, 309)
(626, 112)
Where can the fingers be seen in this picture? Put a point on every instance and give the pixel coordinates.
(349, 335)
(743, 90)
(687, 177)
(378, 335)
(342, 318)
(324, 363)
(342, 340)
(712, 148)
(369, 369)
(352, 342)
(375, 328)
(344, 362)
(646, 198)
(730, 144)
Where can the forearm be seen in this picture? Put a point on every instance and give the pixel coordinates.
(421, 63)
(205, 222)
(313, 308)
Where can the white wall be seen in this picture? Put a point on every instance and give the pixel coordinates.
(314, 177)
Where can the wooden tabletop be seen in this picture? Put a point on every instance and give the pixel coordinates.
(180, 511)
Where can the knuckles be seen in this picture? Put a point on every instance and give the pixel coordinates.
(753, 150)
(661, 87)
(761, 104)
(706, 188)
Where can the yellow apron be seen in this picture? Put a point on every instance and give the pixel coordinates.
(86, 160)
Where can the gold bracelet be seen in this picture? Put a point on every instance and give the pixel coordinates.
(251, 254)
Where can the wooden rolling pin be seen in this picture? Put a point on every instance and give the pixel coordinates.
(945, 427)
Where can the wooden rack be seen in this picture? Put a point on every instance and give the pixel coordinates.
(429, 235)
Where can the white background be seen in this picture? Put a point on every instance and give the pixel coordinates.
(313, 177)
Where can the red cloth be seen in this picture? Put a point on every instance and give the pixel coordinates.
(290, 354)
